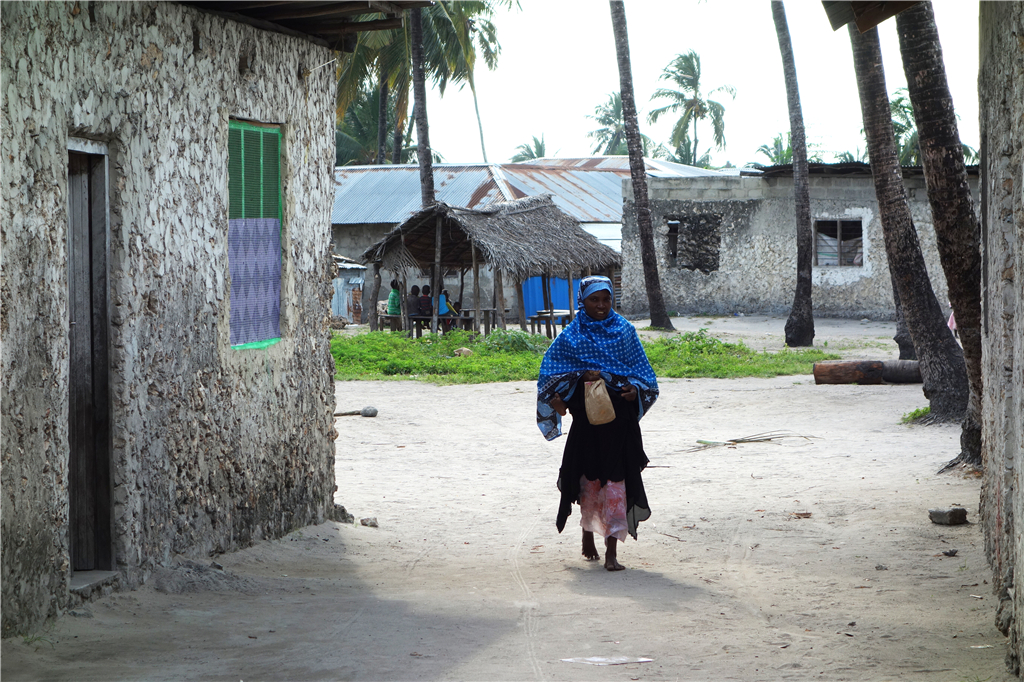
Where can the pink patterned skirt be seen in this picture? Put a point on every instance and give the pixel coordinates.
(603, 508)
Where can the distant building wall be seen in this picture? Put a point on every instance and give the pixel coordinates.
(210, 448)
(1001, 95)
(736, 246)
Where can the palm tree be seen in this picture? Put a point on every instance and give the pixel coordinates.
(637, 171)
(956, 224)
(684, 153)
(454, 32)
(780, 151)
(695, 106)
(612, 131)
(941, 360)
(800, 324)
(527, 151)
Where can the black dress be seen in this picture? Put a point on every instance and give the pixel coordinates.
(609, 452)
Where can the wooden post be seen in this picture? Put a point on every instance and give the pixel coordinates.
(499, 297)
(476, 288)
(436, 279)
(462, 287)
(545, 286)
(522, 304)
(572, 308)
(372, 302)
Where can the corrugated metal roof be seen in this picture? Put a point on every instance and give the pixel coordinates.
(655, 167)
(590, 190)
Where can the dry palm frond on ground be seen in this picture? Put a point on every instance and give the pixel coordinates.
(766, 437)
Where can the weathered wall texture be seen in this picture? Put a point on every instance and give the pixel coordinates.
(1001, 92)
(756, 267)
(212, 448)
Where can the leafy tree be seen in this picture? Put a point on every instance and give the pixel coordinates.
(695, 105)
(941, 360)
(527, 150)
(638, 170)
(958, 234)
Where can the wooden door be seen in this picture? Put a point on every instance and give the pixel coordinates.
(89, 469)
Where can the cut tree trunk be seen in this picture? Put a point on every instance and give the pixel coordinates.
(370, 304)
(638, 172)
(942, 361)
(957, 232)
(848, 372)
(800, 325)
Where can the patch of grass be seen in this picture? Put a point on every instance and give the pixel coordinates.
(501, 356)
(516, 356)
(696, 354)
(916, 415)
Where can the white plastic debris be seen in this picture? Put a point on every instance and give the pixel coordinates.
(607, 660)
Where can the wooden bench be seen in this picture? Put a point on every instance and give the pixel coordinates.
(392, 322)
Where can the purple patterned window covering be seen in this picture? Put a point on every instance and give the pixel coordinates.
(254, 260)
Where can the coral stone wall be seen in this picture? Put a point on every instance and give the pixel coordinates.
(756, 270)
(1001, 93)
(213, 448)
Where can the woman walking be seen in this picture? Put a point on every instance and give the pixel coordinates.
(602, 463)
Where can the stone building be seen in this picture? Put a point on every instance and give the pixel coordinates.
(1001, 95)
(728, 244)
(167, 383)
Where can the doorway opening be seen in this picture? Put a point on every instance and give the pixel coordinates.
(89, 466)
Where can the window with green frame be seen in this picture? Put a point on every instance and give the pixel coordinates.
(254, 233)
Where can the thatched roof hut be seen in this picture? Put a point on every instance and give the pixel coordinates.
(522, 238)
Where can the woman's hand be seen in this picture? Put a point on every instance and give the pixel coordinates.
(629, 392)
(558, 405)
(591, 375)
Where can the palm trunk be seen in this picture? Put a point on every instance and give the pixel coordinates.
(800, 325)
(638, 172)
(694, 162)
(399, 138)
(902, 337)
(940, 358)
(956, 225)
(419, 94)
(382, 121)
(479, 121)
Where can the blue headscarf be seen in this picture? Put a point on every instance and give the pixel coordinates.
(610, 345)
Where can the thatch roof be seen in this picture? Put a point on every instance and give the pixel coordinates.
(522, 238)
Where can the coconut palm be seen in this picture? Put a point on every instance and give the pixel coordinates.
(800, 324)
(953, 216)
(527, 150)
(942, 363)
(689, 100)
(454, 34)
(780, 151)
(611, 134)
(684, 153)
(637, 170)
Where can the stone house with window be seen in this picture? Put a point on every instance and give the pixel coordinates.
(165, 258)
(728, 244)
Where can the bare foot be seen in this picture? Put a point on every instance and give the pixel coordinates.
(610, 561)
(589, 548)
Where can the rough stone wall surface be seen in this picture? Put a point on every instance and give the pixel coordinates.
(213, 448)
(757, 268)
(1001, 94)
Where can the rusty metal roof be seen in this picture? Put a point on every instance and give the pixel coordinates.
(589, 193)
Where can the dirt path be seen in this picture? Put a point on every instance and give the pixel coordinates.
(467, 578)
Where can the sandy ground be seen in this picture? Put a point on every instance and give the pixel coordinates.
(801, 559)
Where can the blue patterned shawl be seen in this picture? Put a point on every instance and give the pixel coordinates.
(610, 346)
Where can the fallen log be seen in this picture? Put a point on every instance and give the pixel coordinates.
(867, 372)
(848, 372)
(901, 372)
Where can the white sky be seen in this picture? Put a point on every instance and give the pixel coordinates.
(558, 63)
